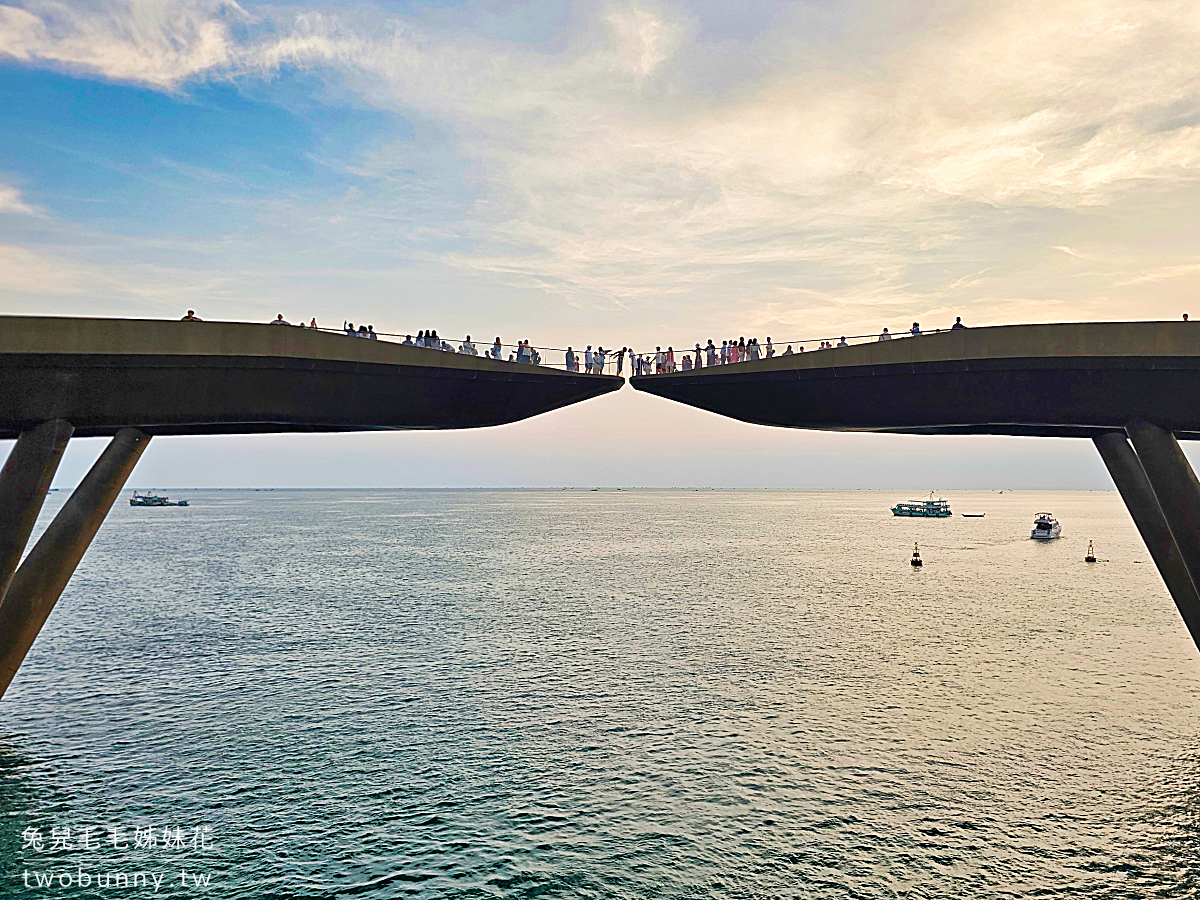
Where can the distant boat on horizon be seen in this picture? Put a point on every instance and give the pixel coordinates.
(923, 509)
(152, 499)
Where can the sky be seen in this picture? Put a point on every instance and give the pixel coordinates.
(617, 173)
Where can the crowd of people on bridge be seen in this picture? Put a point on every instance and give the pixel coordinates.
(731, 352)
(594, 361)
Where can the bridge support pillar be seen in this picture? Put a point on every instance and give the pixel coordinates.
(41, 578)
(1135, 488)
(24, 481)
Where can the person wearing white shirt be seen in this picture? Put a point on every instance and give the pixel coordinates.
(885, 336)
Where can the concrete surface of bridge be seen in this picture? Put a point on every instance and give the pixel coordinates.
(1113, 382)
(133, 379)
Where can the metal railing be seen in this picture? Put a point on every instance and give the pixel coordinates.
(518, 354)
(669, 360)
(664, 360)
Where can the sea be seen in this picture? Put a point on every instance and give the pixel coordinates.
(605, 694)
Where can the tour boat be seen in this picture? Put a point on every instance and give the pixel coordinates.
(1045, 527)
(923, 509)
(153, 499)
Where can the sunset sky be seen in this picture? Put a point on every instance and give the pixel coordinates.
(611, 173)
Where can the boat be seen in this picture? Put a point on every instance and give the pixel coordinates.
(973, 515)
(153, 499)
(916, 558)
(923, 509)
(1045, 527)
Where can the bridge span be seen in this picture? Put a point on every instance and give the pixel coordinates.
(1113, 382)
(134, 379)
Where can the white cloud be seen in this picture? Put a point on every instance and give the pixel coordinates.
(154, 42)
(619, 167)
(11, 201)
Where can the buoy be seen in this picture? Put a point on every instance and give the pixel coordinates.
(916, 557)
(1091, 556)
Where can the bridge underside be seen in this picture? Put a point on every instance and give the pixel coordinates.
(1047, 397)
(1112, 382)
(131, 380)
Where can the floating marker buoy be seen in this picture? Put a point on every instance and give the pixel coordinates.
(916, 557)
(1091, 555)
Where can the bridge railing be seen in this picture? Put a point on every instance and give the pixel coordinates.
(547, 357)
(652, 365)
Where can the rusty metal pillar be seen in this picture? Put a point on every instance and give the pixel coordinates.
(41, 578)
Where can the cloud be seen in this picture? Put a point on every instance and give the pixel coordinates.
(11, 202)
(161, 43)
(880, 159)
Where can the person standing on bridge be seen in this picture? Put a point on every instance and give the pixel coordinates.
(957, 324)
(770, 347)
(191, 317)
(885, 336)
(468, 348)
(280, 320)
(697, 363)
(915, 330)
(587, 360)
(842, 342)
(497, 350)
(710, 353)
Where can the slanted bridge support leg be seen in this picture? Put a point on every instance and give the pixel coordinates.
(24, 481)
(1134, 486)
(1175, 486)
(40, 580)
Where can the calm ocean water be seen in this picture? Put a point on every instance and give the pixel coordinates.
(666, 694)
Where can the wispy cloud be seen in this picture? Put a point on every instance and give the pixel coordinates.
(12, 202)
(878, 166)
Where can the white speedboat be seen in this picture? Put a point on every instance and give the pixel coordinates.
(1045, 527)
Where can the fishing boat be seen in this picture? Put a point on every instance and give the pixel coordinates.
(923, 509)
(1045, 527)
(153, 499)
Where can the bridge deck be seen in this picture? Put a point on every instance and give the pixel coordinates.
(1056, 380)
(221, 378)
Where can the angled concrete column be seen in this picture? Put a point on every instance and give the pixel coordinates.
(24, 481)
(40, 580)
(1130, 478)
